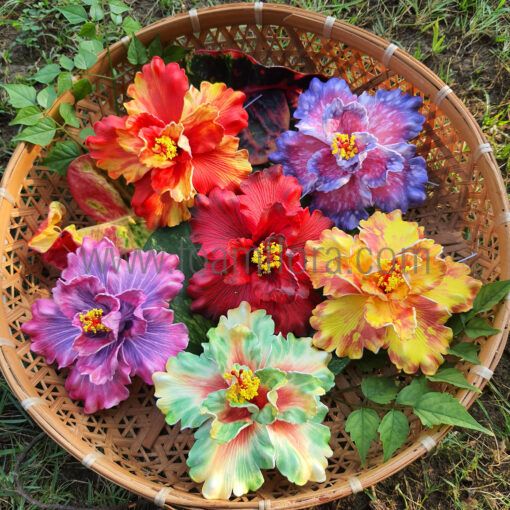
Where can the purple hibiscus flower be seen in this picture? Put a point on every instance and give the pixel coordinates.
(109, 321)
(351, 152)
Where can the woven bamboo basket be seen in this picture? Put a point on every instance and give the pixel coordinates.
(467, 211)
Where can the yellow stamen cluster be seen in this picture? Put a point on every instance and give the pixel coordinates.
(91, 321)
(392, 278)
(267, 257)
(245, 387)
(165, 146)
(344, 145)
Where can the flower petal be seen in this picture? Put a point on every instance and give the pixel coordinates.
(378, 163)
(399, 315)
(311, 226)
(343, 118)
(341, 326)
(233, 467)
(203, 133)
(51, 334)
(181, 390)
(101, 366)
(158, 89)
(330, 174)
(49, 230)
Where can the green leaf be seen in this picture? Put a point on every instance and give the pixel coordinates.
(41, 133)
(452, 376)
(64, 82)
(478, 327)
(46, 97)
(118, 7)
(116, 18)
(130, 25)
(27, 116)
(174, 53)
(93, 46)
(62, 155)
(409, 395)
(394, 431)
(490, 295)
(96, 12)
(456, 323)
(137, 53)
(362, 426)
(380, 390)
(89, 30)
(338, 365)
(68, 114)
(155, 48)
(47, 73)
(67, 63)
(467, 351)
(20, 95)
(443, 409)
(82, 88)
(74, 13)
(85, 59)
(84, 133)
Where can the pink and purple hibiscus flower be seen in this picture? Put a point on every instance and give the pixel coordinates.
(108, 320)
(350, 152)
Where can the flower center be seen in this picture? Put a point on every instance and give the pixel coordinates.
(267, 256)
(344, 145)
(91, 321)
(244, 387)
(165, 146)
(392, 277)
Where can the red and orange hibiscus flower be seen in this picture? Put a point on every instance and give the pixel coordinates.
(175, 141)
(254, 246)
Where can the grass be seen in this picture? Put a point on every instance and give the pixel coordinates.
(467, 43)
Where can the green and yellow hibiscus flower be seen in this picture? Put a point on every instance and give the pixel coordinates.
(255, 397)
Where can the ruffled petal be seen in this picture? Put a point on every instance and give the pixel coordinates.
(158, 89)
(311, 227)
(202, 130)
(51, 334)
(377, 165)
(392, 115)
(457, 289)
(233, 467)
(330, 175)
(97, 396)
(343, 118)
(102, 365)
(49, 230)
(401, 316)
(341, 326)
(301, 450)
(292, 316)
(225, 166)
(181, 390)
(425, 349)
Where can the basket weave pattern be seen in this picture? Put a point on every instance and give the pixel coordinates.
(467, 211)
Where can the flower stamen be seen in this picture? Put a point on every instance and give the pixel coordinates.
(91, 321)
(267, 257)
(166, 147)
(245, 387)
(392, 278)
(344, 145)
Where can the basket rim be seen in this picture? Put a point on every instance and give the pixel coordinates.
(380, 49)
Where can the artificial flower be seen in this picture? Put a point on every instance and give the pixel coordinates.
(108, 320)
(350, 152)
(255, 397)
(253, 244)
(54, 243)
(388, 287)
(175, 141)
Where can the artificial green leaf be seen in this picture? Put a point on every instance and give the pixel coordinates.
(67, 63)
(64, 82)
(47, 73)
(118, 6)
(68, 114)
(456, 323)
(116, 18)
(452, 376)
(443, 409)
(74, 13)
(478, 327)
(174, 53)
(20, 95)
(338, 365)
(93, 46)
(490, 295)
(409, 395)
(130, 25)
(155, 48)
(394, 431)
(96, 12)
(362, 426)
(467, 351)
(88, 30)
(86, 132)
(380, 390)
(85, 59)
(27, 116)
(46, 97)
(61, 155)
(137, 52)
(82, 88)
(41, 133)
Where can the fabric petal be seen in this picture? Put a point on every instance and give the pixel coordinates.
(396, 314)
(311, 227)
(378, 163)
(341, 327)
(181, 390)
(202, 130)
(331, 174)
(343, 118)
(158, 89)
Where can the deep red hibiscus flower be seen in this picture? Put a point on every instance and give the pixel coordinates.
(253, 243)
